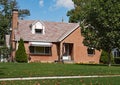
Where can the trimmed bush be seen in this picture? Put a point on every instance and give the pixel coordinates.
(20, 55)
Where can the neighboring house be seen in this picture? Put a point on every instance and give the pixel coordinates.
(7, 40)
(116, 53)
(4, 52)
(51, 41)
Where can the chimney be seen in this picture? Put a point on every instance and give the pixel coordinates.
(14, 19)
(14, 26)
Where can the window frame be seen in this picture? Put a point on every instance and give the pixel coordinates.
(45, 51)
(90, 51)
(117, 54)
(38, 32)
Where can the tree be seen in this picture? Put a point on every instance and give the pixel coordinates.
(6, 7)
(21, 55)
(79, 13)
(4, 53)
(3, 28)
(100, 23)
(104, 59)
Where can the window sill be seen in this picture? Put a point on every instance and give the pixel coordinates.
(40, 54)
(91, 55)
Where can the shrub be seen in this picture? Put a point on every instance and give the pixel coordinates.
(20, 55)
(117, 60)
(104, 58)
(5, 51)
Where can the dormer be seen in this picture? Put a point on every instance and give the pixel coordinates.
(37, 28)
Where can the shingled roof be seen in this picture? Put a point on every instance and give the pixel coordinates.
(54, 31)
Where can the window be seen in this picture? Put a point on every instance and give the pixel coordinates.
(117, 54)
(91, 51)
(40, 50)
(37, 27)
(39, 31)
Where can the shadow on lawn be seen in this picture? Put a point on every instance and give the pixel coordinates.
(93, 64)
(100, 64)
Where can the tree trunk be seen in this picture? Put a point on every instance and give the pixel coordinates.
(109, 58)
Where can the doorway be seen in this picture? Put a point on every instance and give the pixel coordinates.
(67, 52)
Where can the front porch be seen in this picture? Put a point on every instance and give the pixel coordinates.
(67, 52)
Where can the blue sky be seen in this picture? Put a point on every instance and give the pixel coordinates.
(47, 10)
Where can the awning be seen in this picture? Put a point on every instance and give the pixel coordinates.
(40, 44)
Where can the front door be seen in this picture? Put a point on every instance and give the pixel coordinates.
(67, 51)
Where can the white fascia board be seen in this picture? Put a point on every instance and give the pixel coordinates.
(64, 36)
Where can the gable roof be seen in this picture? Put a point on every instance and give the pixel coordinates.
(54, 31)
(35, 21)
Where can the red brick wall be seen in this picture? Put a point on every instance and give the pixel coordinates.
(42, 58)
(79, 50)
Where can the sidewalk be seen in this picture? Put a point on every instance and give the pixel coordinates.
(55, 77)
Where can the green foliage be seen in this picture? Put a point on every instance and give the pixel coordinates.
(100, 23)
(3, 27)
(6, 7)
(79, 13)
(21, 55)
(4, 51)
(104, 17)
(104, 58)
(117, 60)
(23, 13)
(5, 16)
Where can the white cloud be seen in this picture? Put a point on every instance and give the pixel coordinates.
(41, 2)
(64, 3)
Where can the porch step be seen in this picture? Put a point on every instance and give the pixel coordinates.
(65, 61)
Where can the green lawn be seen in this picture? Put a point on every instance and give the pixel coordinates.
(42, 69)
(86, 81)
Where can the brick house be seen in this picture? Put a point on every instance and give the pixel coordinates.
(51, 41)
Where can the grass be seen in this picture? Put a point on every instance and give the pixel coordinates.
(42, 69)
(83, 81)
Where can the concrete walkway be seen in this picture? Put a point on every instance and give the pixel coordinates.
(55, 77)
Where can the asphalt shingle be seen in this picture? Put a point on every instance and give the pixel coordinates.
(53, 31)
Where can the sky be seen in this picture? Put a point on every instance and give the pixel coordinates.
(47, 10)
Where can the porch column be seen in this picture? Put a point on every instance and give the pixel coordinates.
(61, 51)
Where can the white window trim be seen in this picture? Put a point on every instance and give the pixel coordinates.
(37, 25)
(41, 53)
